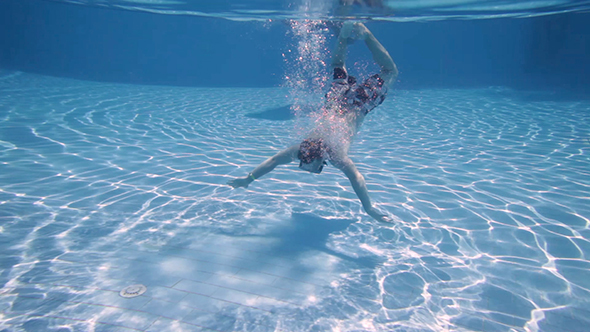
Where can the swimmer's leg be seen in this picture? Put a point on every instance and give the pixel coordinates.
(357, 181)
(284, 157)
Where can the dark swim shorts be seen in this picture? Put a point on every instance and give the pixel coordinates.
(367, 95)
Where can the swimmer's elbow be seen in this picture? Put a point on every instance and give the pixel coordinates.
(394, 71)
(389, 74)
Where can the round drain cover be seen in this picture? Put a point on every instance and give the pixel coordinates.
(133, 291)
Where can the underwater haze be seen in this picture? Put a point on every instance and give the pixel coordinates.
(100, 42)
(122, 121)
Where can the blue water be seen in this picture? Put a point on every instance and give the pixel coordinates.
(119, 131)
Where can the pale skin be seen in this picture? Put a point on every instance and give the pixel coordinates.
(339, 155)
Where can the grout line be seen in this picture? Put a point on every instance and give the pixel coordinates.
(150, 299)
(77, 320)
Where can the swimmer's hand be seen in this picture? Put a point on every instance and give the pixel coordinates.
(239, 182)
(378, 215)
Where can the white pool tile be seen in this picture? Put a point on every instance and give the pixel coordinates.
(127, 318)
(172, 310)
(196, 287)
(170, 325)
(165, 293)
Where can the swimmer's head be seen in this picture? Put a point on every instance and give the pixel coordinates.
(312, 154)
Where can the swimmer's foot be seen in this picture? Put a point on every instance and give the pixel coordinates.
(334, 27)
(346, 30)
(352, 31)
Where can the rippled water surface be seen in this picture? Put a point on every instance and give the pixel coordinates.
(104, 186)
(387, 10)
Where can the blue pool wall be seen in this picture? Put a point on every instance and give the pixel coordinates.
(100, 44)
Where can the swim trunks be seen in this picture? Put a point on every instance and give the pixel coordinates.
(346, 91)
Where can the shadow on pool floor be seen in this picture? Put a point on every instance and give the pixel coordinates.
(305, 233)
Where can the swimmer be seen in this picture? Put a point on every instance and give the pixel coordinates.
(347, 104)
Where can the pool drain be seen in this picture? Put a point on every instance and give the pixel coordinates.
(133, 291)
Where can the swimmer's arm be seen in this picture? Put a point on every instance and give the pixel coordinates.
(389, 70)
(284, 157)
(360, 188)
(380, 55)
(339, 53)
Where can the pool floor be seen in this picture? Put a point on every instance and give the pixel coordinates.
(103, 186)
